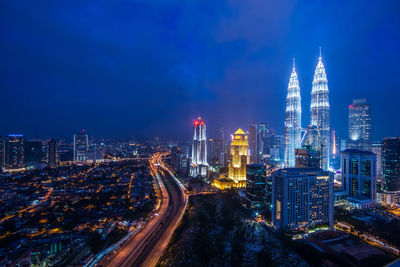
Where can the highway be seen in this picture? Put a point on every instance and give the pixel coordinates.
(146, 247)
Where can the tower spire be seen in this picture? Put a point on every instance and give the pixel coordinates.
(293, 118)
(320, 53)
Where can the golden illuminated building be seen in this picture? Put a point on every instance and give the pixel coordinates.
(239, 158)
(224, 183)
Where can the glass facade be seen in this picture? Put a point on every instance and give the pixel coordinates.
(256, 193)
(80, 147)
(359, 176)
(360, 125)
(391, 164)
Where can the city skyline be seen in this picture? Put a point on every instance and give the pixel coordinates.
(70, 72)
(199, 133)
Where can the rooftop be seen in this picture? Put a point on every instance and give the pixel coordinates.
(291, 170)
(357, 151)
(240, 131)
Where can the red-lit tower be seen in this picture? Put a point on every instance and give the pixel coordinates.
(199, 164)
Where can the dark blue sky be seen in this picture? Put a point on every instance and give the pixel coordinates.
(147, 68)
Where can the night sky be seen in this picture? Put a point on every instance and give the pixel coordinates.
(148, 68)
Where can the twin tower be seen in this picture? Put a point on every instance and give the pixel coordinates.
(317, 134)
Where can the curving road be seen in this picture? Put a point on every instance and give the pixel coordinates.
(147, 246)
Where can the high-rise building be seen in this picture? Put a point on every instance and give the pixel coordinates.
(343, 145)
(307, 157)
(320, 112)
(52, 153)
(293, 119)
(239, 158)
(360, 125)
(301, 198)
(222, 155)
(199, 165)
(262, 134)
(81, 145)
(376, 148)
(272, 147)
(359, 177)
(33, 154)
(222, 133)
(65, 152)
(335, 151)
(256, 177)
(391, 165)
(257, 135)
(14, 153)
(215, 149)
(253, 143)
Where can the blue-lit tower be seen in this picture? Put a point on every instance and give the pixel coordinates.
(320, 112)
(293, 119)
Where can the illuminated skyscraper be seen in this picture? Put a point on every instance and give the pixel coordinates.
(81, 144)
(320, 112)
(293, 119)
(360, 125)
(199, 163)
(239, 158)
(14, 153)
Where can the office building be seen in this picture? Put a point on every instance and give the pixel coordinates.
(256, 194)
(81, 144)
(359, 177)
(33, 154)
(360, 125)
(262, 132)
(14, 153)
(52, 153)
(293, 119)
(216, 152)
(257, 138)
(65, 152)
(307, 157)
(199, 165)
(239, 158)
(391, 165)
(320, 113)
(376, 148)
(302, 198)
(254, 143)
